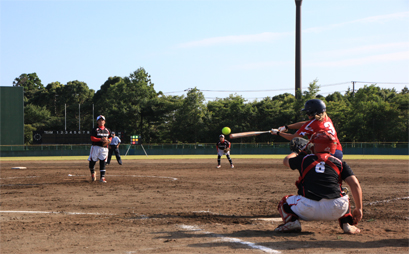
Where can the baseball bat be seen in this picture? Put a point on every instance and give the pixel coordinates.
(247, 134)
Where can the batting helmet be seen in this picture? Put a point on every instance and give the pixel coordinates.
(323, 142)
(314, 107)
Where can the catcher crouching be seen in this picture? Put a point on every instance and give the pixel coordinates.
(100, 137)
(223, 148)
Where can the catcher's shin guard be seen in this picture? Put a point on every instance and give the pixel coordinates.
(285, 211)
(347, 218)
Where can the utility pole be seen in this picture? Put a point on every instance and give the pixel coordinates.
(298, 46)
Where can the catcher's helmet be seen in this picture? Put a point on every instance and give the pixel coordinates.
(314, 107)
(101, 117)
(323, 142)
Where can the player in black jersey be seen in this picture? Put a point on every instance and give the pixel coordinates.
(223, 148)
(100, 137)
(320, 194)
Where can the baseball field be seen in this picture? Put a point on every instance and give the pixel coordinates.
(185, 205)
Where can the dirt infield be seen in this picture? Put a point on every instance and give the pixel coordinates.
(188, 206)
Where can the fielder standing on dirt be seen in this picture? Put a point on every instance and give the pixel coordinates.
(318, 121)
(100, 137)
(320, 195)
(223, 148)
(114, 148)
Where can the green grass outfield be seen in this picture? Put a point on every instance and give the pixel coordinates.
(161, 157)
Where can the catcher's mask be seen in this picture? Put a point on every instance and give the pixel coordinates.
(323, 142)
(314, 107)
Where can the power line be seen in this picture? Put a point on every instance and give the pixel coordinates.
(285, 89)
(392, 83)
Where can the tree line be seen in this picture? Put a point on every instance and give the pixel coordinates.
(133, 106)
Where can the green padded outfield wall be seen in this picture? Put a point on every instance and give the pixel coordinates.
(11, 115)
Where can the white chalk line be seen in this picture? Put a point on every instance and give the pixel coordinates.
(141, 176)
(68, 213)
(386, 201)
(18, 177)
(230, 239)
(220, 214)
(71, 175)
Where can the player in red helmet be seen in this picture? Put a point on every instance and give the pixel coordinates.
(320, 194)
(318, 121)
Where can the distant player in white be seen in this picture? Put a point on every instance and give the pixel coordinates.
(99, 149)
(223, 148)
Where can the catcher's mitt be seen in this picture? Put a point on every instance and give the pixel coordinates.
(298, 144)
(226, 150)
(105, 142)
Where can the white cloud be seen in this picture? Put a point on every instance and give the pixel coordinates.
(383, 58)
(234, 39)
(270, 36)
(366, 49)
(260, 65)
(373, 19)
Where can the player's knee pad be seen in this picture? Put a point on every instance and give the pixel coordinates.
(285, 211)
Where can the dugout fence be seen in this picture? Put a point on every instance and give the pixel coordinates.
(364, 148)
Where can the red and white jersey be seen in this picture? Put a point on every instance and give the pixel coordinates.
(313, 126)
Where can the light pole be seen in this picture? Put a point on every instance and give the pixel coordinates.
(298, 46)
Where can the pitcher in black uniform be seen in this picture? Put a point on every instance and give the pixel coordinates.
(223, 148)
(99, 151)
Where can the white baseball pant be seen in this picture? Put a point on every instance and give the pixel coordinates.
(325, 209)
(98, 153)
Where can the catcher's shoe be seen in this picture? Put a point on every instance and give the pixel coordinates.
(218, 166)
(93, 177)
(289, 227)
(102, 180)
(349, 229)
(232, 166)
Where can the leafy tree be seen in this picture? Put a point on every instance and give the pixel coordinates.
(189, 118)
(35, 118)
(31, 83)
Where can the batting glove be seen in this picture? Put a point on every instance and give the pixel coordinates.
(283, 128)
(274, 131)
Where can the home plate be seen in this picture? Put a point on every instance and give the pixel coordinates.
(19, 168)
(270, 219)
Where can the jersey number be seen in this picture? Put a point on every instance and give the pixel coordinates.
(331, 129)
(320, 167)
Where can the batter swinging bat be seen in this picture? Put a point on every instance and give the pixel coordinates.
(247, 134)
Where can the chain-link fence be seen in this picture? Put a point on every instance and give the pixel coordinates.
(364, 148)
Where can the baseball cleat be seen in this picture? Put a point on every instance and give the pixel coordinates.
(232, 166)
(218, 166)
(289, 227)
(93, 177)
(102, 180)
(349, 229)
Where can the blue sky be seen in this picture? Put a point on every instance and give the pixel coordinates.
(241, 47)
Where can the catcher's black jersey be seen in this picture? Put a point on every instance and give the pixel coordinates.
(99, 133)
(223, 145)
(323, 179)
